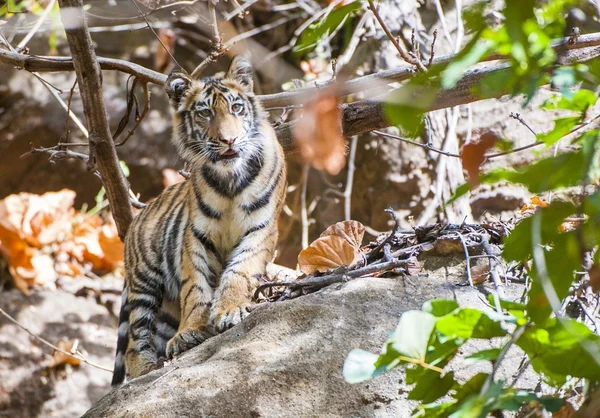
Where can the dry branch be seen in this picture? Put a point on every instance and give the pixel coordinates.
(89, 78)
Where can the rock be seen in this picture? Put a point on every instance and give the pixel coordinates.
(285, 359)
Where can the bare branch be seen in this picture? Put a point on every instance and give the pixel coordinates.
(89, 78)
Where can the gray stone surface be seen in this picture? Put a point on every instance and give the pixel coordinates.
(285, 359)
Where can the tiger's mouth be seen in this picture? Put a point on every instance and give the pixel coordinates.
(229, 155)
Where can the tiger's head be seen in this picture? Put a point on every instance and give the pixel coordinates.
(216, 119)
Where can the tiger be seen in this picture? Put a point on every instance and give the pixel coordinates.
(195, 255)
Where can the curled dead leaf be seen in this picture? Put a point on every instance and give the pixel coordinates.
(58, 358)
(318, 134)
(338, 245)
(473, 156)
(480, 272)
(352, 231)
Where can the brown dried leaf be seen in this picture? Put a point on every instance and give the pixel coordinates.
(58, 358)
(595, 278)
(567, 411)
(327, 253)
(473, 156)
(162, 59)
(318, 134)
(351, 231)
(480, 272)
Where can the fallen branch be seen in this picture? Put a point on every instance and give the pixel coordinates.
(327, 279)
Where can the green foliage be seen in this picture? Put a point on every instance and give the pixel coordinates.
(321, 29)
(426, 341)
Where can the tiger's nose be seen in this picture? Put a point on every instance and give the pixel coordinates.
(227, 139)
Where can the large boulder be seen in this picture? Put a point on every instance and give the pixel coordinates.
(285, 359)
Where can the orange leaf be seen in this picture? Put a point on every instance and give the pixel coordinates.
(58, 358)
(318, 134)
(473, 156)
(327, 253)
(351, 231)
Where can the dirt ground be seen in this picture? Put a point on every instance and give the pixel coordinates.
(28, 388)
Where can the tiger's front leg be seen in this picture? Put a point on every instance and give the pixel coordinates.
(240, 279)
(198, 272)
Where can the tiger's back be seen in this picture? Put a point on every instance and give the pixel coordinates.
(194, 256)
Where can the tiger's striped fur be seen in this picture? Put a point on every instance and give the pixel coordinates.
(193, 257)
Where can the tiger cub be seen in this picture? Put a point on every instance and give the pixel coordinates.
(193, 257)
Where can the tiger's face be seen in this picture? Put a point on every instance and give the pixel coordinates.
(216, 118)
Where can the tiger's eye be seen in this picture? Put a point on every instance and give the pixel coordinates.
(237, 108)
(205, 113)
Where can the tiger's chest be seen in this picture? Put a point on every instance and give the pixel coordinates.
(224, 220)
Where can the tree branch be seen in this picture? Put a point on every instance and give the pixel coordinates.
(89, 78)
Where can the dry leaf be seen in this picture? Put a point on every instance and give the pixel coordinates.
(480, 272)
(473, 156)
(567, 411)
(318, 134)
(37, 219)
(413, 267)
(171, 177)
(162, 57)
(595, 278)
(58, 358)
(536, 202)
(352, 231)
(327, 253)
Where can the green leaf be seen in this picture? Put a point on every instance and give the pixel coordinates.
(317, 31)
(490, 354)
(359, 366)
(431, 385)
(556, 349)
(564, 78)
(469, 323)
(513, 400)
(562, 126)
(440, 307)
(471, 54)
(472, 386)
(412, 335)
(406, 106)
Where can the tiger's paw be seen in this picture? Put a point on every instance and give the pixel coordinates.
(222, 320)
(184, 340)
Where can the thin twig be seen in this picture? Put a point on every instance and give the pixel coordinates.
(37, 25)
(350, 178)
(326, 280)
(375, 253)
(303, 211)
(514, 338)
(143, 16)
(405, 56)
(518, 117)
(418, 144)
(217, 49)
(77, 355)
(467, 258)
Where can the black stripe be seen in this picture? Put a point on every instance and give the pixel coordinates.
(144, 322)
(265, 198)
(163, 336)
(204, 240)
(252, 254)
(142, 303)
(168, 319)
(204, 208)
(232, 185)
(173, 238)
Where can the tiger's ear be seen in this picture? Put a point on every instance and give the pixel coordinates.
(240, 70)
(176, 86)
